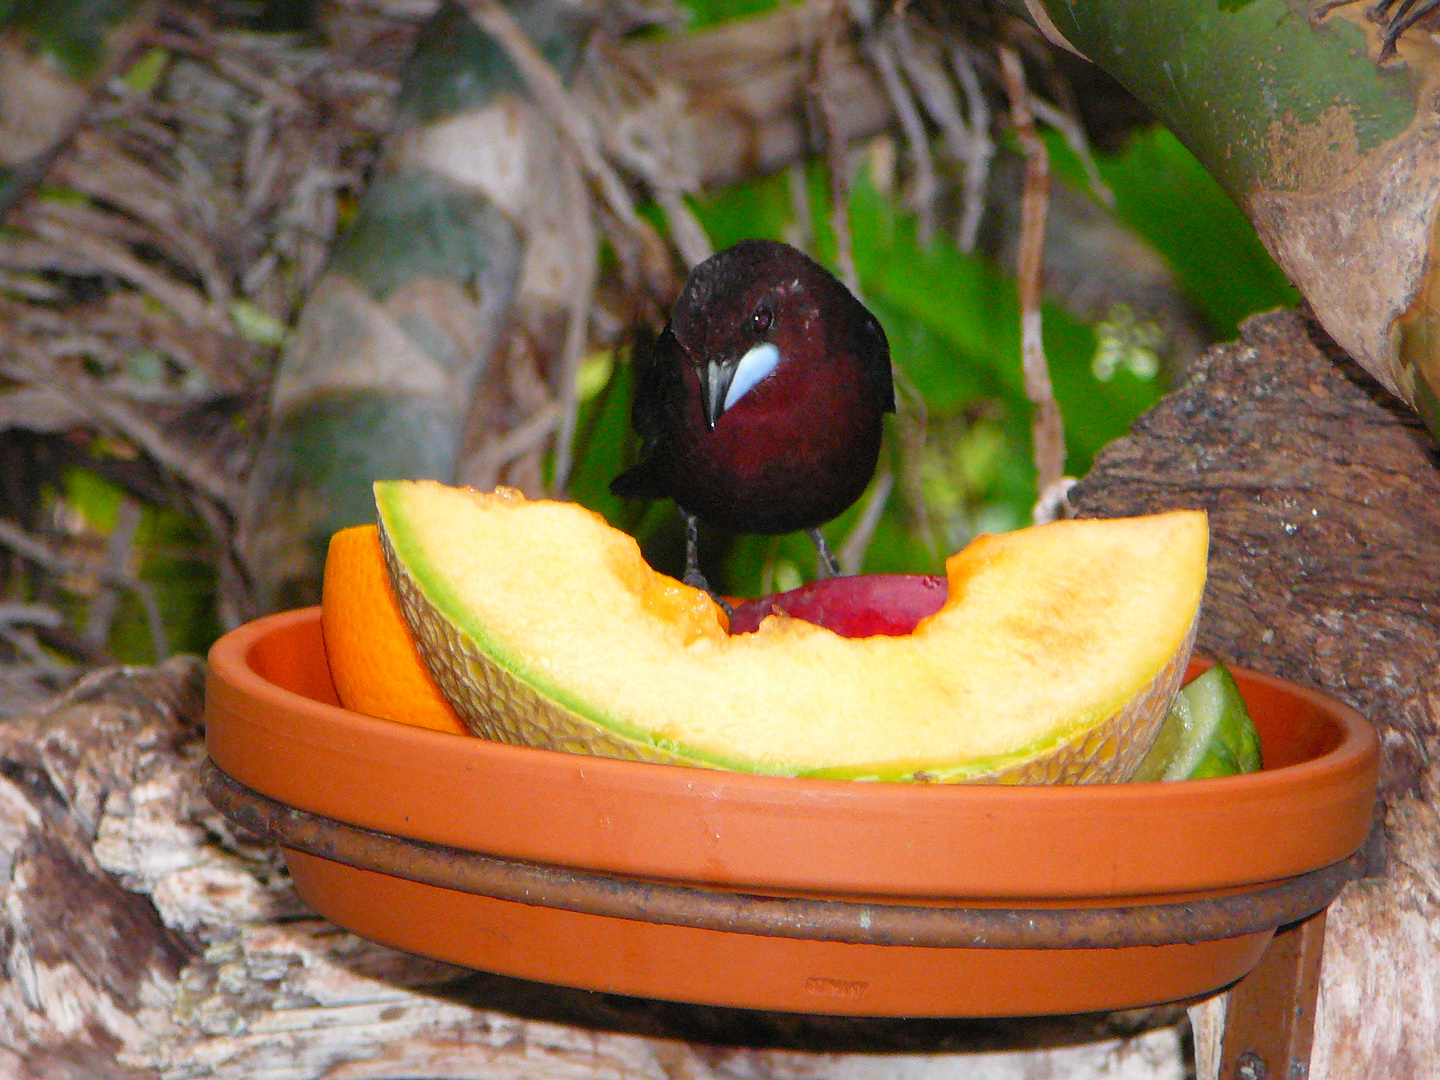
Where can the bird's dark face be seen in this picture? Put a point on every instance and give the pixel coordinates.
(754, 315)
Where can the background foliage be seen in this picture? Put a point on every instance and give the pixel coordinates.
(953, 322)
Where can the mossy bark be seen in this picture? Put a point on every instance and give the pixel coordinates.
(1324, 501)
(52, 54)
(378, 377)
(1333, 151)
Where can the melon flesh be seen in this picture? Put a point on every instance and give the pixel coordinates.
(1054, 657)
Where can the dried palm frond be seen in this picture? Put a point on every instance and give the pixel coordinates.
(147, 275)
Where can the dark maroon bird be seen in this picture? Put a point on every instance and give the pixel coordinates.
(760, 406)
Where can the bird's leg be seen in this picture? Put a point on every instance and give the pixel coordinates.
(693, 577)
(827, 557)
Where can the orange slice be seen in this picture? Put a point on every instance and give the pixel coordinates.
(374, 663)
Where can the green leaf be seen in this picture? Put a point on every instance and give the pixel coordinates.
(72, 31)
(145, 74)
(256, 325)
(971, 306)
(705, 13)
(1165, 195)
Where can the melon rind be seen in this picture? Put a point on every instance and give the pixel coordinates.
(500, 704)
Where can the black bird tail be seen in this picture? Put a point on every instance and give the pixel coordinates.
(636, 482)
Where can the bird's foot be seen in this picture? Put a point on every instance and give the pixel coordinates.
(696, 580)
(827, 557)
(693, 577)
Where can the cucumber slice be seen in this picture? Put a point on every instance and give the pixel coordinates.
(1208, 732)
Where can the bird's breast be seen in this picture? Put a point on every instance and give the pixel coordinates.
(793, 453)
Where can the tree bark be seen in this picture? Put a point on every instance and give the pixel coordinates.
(1324, 502)
(143, 939)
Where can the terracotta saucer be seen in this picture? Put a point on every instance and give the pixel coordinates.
(611, 828)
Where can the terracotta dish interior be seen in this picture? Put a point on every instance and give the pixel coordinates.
(274, 725)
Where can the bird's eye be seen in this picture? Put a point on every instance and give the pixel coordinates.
(761, 319)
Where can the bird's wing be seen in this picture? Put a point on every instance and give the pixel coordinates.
(659, 406)
(659, 390)
(875, 355)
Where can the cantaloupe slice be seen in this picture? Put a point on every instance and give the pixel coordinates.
(1054, 658)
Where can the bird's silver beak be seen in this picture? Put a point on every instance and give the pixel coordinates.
(715, 387)
(727, 381)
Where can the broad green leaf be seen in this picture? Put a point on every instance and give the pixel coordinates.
(171, 554)
(604, 446)
(1165, 195)
(705, 13)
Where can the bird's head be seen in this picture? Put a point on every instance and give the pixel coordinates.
(759, 311)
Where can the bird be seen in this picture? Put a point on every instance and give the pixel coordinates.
(760, 406)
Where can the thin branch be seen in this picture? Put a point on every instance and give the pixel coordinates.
(1048, 428)
(924, 73)
(836, 146)
(857, 543)
(748, 88)
(882, 51)
(126, 422)
(981, 147)
(516, 443)
(30, 615)
(642, 120)
(577, 324)
(1075, 138)
(42, 662)
(39, 552)
(551, 97)
(798, 187)
(228, 61)
(104, 167)
(103, 607)
(192, 308)
(912, 423)
(118, 552)
(685, 228)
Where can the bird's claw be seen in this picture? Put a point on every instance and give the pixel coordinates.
(696, 580)
(828, 561)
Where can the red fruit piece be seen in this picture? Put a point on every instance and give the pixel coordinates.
(853, 607)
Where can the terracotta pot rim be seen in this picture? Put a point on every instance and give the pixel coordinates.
(823, 837)
(228, 658)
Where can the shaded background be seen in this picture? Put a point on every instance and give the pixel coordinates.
(178, 176)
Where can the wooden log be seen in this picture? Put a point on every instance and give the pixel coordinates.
(143, 939)
(1324, 502)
